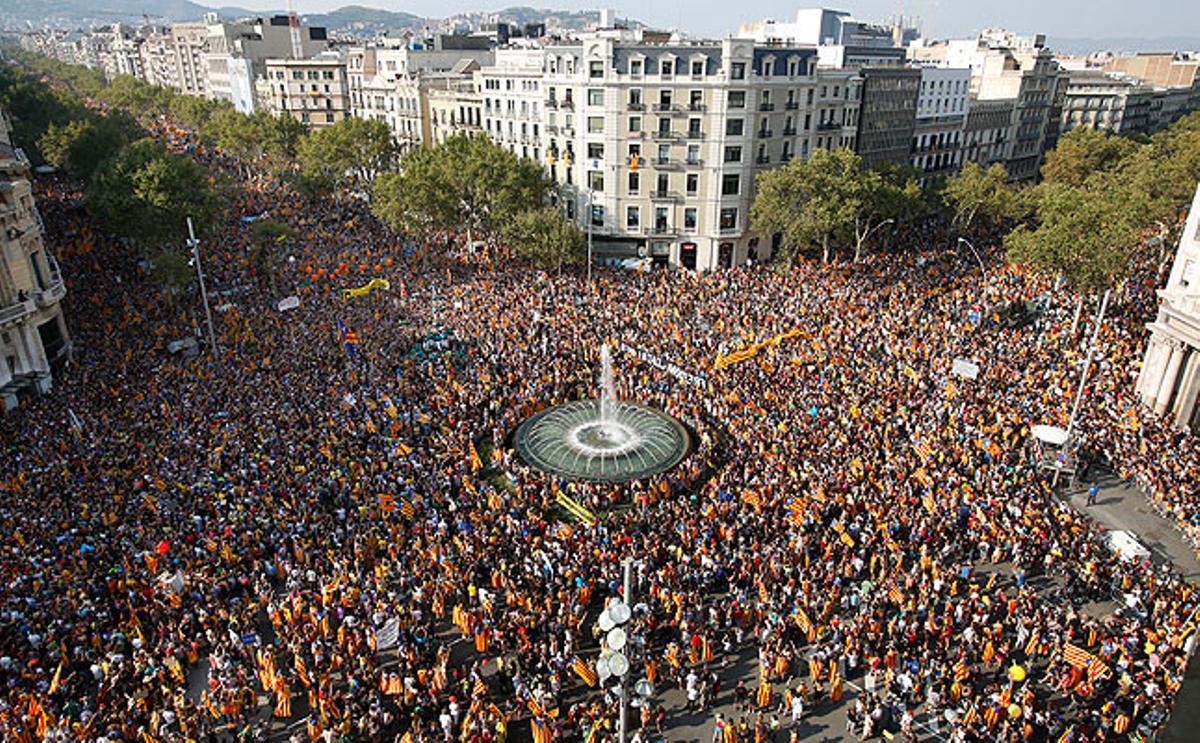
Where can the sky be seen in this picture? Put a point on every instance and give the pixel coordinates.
(1058, 18)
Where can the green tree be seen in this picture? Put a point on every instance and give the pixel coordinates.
(415, 199)
(147, 194)
(546, 239)
(138, 97)
(976, 194)
(193, 111)
(1082, 153)
(1083, 234)
(80, 146)
(811, 201)
(353, 149)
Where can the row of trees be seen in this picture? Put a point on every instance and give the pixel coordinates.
(1098, 193)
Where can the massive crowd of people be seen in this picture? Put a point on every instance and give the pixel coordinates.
(292, 538)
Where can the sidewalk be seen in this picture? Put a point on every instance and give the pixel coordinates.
(1121, 506)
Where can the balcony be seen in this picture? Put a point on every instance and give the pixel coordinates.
(659, 195)
(696, 107)
(694, 162)
(635, 135)
(666, 163)
(662, 230)
(789, 131)
(551, 103)
(828, 126)
(52, 294)
(792, 105)
(694, 134)
(662, 107)
(635, 106)
(766, 107)
(764, 133)
(15, 312)
(762, 160)
(664, 134)
(569, 104)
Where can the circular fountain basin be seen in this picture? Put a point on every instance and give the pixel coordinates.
(630, 442)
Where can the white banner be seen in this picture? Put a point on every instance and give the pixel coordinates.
(387, 635)
(695, 380)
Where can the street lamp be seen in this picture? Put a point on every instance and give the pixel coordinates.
(974, 252)
(614, 656)
(194, 244)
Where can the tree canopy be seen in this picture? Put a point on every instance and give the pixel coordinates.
(145, 193)
(546, 239)
(978, 195)
(1082, 153)
(82, 145)
(464, 184)
(353, 149)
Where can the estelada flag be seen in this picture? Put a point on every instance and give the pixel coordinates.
(585, 672)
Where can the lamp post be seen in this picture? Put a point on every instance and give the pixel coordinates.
(1087, 367)
(614, 660)
(194, 244)
(974, 252)
(590, 218)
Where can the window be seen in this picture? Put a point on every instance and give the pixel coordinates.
(728, 219)
(633, 217)
(595, 96)
(693, 154)
(635, 123)
(635, 149)
(730, 184)
(666, 67)
(596, 180)
(664, 126)
(595, 124)
(660, 219)
(664, 98)
(635, 67)
(737, 71)
(693, 127)
(635, 182)
(696, 99)
(664, 183)
(737, 99)
(635, 97)
(693, 183)
(733, 154)
(689, 218)
(595, 69)
(697, 67)
(597, 215)
(664, 153)
(595, 151)
(734, 127)
(768, 68)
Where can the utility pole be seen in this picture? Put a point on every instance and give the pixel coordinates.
(1087, 367)
(628, 598)
(194, 244)
(590, 218)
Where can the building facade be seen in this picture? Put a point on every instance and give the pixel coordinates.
(1106, 102)
(664, 140)
(942, 110)
(1170, 378)
(312, 91)
(33, 335)
(455, 104)
(987, 133)
(887, 119)
(512, 101)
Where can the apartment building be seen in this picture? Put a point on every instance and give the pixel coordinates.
(236, 55)
(1107, 102)
(455, 103)
(33, 335)
(987, 133)
(157, 57)
(313, 91)
(888, 114)
(189, 43)
(391, 83)
(1169, 381)
(664, 140)
(512, 100)
(941, 118)
(1006, 66)
(119, 53)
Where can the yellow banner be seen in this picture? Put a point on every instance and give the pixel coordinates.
(366, 288)
(750, 352)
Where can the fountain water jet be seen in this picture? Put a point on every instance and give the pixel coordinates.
(604, 438)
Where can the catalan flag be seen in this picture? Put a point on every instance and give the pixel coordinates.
(923, 449)
(895, 594)
(1081, 658)
(802, 620)
(407, 508)
(1031, 647)
(479, 689)
(387, 503)
(961, 672)
(348, 338)
(476, 462)
(585, 672)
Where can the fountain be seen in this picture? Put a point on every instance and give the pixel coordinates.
(602, 439)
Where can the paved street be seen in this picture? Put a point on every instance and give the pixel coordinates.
(1120, 506)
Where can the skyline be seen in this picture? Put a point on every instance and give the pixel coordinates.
(1069, 19)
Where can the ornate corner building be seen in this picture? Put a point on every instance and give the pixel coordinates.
(33, 335)
(1170, 378)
